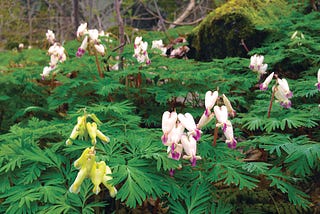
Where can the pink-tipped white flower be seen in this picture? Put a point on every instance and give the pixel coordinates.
(281, 96)
(140, 51)
(190, 147)
(264, 85)
(205, 119)
(82, 29)
(175, 134)
(256, 64)
(50, 36)
(222, 116)
(210, 100)
(93, 35)
(174, 151)
(168, 122)
(318, 84)
(188, 122)
(83, 47)
(158, 44)
(284, 87)
(230, 140)
(226, 101)
(100, 49)
(46, 71)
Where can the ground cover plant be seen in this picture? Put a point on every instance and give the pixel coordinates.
(84, 130)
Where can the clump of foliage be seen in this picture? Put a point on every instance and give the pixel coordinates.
(276, 158)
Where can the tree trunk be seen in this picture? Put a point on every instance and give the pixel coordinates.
(117, 5)
(75, 14)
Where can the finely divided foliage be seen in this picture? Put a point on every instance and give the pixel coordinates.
(274, 154)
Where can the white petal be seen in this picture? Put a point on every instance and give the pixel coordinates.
(210, 99)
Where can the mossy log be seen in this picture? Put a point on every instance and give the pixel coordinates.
(220, 34)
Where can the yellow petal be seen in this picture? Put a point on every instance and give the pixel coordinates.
(102, 137)
(97, 174)
(92, 131)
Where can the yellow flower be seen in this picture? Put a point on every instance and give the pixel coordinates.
(102, 137)
(92, 131)
(84, 164)
(99, 175)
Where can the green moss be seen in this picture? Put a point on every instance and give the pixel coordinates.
(220, 33)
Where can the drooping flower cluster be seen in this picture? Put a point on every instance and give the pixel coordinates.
(98, 172)
(318, 83)
(174, 137)
(90, 40)
(221, 112)
(83, 129)
(158, 44)
(57, 55)
(281, 90)
(174, 126)
(140, 50)
(256, 65)
(50, 37)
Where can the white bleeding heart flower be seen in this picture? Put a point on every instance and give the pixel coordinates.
(168, 122)
(190, 147)
(222, 116)
(188, 122)
(82, 29)
(226, 101)
(210, 100)
(264, 86)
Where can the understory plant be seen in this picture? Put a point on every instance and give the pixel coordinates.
(105, 119)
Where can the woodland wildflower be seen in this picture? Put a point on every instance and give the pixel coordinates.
(57, 54)
(97, 172)
(318, 84)
(100, 49)
(93, 35)
(140, 51)
(175, 134)
(82, 29)
(205, 119)
(91, 38)
(84, 164)
(188, 122)
(46, 71)
(222, 116)
(50, 36)
(190, 147)
(168, 122)
(256, 64)
(210, 101)
(83, 47)
(83, 128)
(100, 173)
(174, 151)
(226, 101)
(281, 96)
(284, 87)
(158, 44)
(264, 86)
(230, 140)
